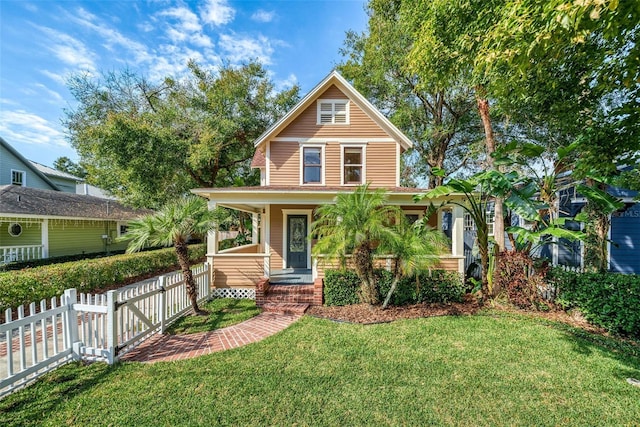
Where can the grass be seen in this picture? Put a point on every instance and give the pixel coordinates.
(487, 369)
(223, 312)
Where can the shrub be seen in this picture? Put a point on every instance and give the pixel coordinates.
(519, 277)
(609, 300)
(34, 284)
(341, 287)
(439, 286)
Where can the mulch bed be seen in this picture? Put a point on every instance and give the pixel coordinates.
(366, 314)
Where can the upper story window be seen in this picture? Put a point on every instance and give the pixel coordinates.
(17, 178)
(333, 111)
(353, 167)
(491, 215)
(312, 161)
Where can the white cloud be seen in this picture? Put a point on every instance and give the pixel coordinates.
(217, 12)
(60, 78)
(69, 50)
(187, 19)
(19, 126)
(262, 15)
(54, 97)
(287, 83)
(111, 37)
(242, 48)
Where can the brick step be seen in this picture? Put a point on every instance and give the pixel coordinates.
(290, 289)
(285, 308)
(289, 298)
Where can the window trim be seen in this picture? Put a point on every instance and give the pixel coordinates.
(323, 163)
(119, 224)
(490, 216)
(333, 103)
(24, 177)
(363, 165)
(11, 225)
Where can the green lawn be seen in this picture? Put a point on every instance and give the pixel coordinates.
(487, 369)
(222, 312)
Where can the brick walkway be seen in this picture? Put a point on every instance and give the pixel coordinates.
(178, 347)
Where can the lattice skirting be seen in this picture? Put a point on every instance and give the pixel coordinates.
(237, 293)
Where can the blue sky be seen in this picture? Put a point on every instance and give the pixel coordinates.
(43, 42)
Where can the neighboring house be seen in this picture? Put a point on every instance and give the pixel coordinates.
(624, 233)
(332, 141)
(41, 216)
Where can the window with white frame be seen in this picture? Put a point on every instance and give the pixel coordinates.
(353, 172)
(123, 228)
(17, 178)
(469, 225)
(312, 165)
(333, 111)
(490, 220)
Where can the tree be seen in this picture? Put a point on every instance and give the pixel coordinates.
(356, 225)
(435, 117)
(174, 224)
(65, 164)
(148, 142)
(415, 248)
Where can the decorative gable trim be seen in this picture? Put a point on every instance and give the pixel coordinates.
(336, 79)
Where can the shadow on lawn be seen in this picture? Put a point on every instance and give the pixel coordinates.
(215, 319)
(51, 391)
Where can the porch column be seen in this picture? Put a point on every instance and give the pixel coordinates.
(212, 235)
(44, 233)
(266, 231)
(457, 235)
(254, 228)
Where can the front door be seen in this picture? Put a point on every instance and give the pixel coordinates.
(297, 241)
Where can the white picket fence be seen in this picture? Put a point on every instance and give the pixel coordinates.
(90, 327)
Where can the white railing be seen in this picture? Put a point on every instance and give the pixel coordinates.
(20, 253)
(90, 327)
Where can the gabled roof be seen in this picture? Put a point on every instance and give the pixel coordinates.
(334, 78)
(17, 200)
(46, 170)
(28, 164)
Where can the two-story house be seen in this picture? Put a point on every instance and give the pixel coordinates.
(332, 141)
(46, 213)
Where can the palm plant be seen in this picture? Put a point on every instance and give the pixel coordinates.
(356, 224)
(174, 224)
(416, 247)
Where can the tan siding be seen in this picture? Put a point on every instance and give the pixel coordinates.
(285, 163)
(381, 164)
(449, 264)
(247, 249)
(237, 272)
(360, 125)
(332, 157)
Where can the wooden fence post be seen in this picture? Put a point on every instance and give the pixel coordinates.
(163, 303)
(71, 320)
(112, 327)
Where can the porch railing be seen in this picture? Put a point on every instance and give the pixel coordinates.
(20, 253)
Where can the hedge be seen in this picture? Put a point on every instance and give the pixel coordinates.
(608, 300)
(439, 286)
(34, 284)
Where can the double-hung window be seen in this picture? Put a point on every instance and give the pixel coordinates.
(312, 164)
(353, 165)
(333, 112)
(17, 178)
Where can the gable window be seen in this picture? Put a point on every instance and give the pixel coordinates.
(17, 178)
(333, 111)
(312, 161)
(353, 171)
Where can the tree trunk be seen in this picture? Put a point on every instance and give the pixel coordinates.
(597, 229)
(490, 141)
(392, 289)
(183, 259)
(363, 262)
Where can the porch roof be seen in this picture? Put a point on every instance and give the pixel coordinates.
(254, 199)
